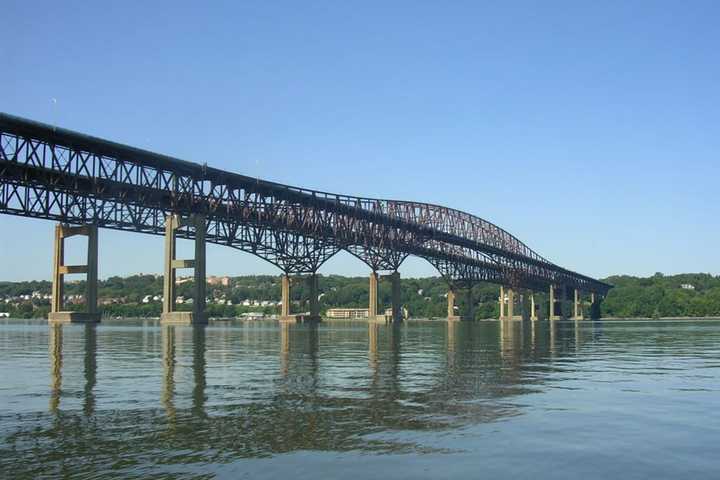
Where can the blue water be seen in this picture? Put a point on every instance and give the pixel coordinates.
(575, 400)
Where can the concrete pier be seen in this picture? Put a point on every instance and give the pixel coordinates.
(313, 300)
(466, 313)
(595, 306)
(396, 297)
(91, 314)
(373, 295)
(469, 305)
(285, 307)
(553, 305)
(286, 315)
(533, 308)
(452, 316)
(169, 314)
(508, 298)
(577, 306)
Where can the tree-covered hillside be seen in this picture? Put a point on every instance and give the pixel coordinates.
(656, 296)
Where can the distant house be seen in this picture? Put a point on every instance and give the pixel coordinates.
(213, 280)
(347, 313)
(687, 286)
(4, 315)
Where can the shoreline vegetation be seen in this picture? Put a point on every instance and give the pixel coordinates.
(659, 297)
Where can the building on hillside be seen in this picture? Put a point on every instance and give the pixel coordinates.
(223, 281)
(346, 313)
(687, 286)
(350, 312)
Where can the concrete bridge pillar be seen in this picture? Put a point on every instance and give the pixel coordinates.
(172, 264)
(507, 303)
(510, 304)
(373, 294)
(286, 315)
(533, 308)
(553, 305)
(577, 305)
(396, 297)
(469, 305)
(451, 306)
(565, 308)
(595, 300)
(501, 301)
(313, 300)
(90, 315)
(285, 307)
(525, 305)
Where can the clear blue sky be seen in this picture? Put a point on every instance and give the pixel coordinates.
(590, 130)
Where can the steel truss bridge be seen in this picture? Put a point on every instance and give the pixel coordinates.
(57, 174)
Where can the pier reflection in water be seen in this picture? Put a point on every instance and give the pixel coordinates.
(131, 398)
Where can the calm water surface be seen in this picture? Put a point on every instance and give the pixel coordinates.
(421, 400)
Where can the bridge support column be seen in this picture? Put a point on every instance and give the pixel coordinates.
(525, 305)
(285, 307)
(533, 308)
(507, 304)
(595, 306)
(286, 315)
(373, 300)
(90, 315)
(451, 316)
(172, 264)
(501, 301)
(313, 300)
(510, 304)
(565, 310)
(396, 297)
(577, 306)
(469, 313)
(553, 304)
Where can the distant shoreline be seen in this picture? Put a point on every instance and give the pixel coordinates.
(430, 320)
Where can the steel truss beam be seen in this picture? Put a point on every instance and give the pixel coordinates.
(56, 174)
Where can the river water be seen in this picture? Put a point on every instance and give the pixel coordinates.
(571, 400)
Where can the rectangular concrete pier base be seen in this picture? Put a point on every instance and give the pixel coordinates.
(382, 319)
(301, 318)
(73, 317)
(182, 318)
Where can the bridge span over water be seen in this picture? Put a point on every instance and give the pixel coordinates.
(86, 183)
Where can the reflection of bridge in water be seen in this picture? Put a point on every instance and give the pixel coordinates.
(477, 374)
(86, 183)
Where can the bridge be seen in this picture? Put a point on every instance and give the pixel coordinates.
(85, 183)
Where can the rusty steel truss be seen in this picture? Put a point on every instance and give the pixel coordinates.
(57, 174)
